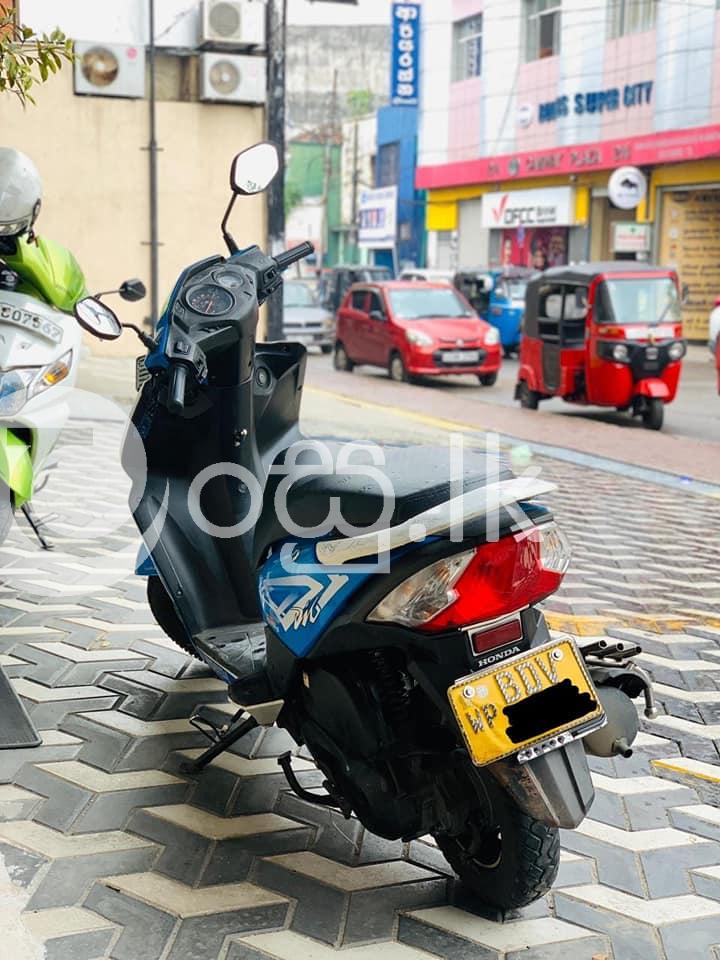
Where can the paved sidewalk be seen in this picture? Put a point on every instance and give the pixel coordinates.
(117, 853)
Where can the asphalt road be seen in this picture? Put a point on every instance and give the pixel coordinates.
(695, 413)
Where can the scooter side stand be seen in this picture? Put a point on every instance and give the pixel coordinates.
(36, 524)
(222, 739)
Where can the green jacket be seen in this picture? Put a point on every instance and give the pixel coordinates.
(47, 271)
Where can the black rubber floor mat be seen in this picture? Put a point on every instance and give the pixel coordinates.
(16, 727)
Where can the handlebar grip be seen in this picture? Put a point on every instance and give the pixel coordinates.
(176, 390)
(284, 260)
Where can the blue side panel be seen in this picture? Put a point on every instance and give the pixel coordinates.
(144, 564)
(300, 606)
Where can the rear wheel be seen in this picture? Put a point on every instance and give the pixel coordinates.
(508, 859)
(341, 360)
(396, 369)
(488, 379)
(653, 414)
(529, 399)
(326, 348)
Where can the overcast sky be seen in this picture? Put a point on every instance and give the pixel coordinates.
(366, 11)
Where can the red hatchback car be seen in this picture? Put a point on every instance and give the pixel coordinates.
(415, 330)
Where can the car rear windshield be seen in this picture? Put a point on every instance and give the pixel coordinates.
(298, 295)
(513, 288)
(415, 304)
(650, 300)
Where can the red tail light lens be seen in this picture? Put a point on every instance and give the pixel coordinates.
(506, 576)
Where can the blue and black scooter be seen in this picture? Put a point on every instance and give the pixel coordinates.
(379, 604)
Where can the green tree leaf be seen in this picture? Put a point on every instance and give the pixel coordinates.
(28, 58)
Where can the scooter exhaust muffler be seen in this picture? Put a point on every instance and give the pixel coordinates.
(617, 736)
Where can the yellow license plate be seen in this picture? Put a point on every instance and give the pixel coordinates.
(524, 700)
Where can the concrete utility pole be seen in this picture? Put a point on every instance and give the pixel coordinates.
(330, 140)
(275, 26)
(355, 182)
(153, 180)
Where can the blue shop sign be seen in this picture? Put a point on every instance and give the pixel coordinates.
(405, 84)
(597, 101)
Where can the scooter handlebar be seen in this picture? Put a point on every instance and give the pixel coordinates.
(286, 259)
(176, 388)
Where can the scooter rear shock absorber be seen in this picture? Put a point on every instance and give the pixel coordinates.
(392, 684)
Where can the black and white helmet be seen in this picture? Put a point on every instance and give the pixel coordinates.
(20, 193)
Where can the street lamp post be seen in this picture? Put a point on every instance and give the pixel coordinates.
(153, 180)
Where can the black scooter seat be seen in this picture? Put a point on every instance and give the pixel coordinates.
(417, 477)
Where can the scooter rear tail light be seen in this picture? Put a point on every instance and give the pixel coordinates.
(480, 585)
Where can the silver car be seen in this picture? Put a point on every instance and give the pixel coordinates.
(305, 320)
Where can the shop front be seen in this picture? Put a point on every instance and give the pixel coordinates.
(654, 198)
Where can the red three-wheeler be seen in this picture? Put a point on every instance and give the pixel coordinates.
(608, 334)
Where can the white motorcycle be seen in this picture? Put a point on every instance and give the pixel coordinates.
(39, 357)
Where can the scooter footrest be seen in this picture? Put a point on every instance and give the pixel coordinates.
(241, 652)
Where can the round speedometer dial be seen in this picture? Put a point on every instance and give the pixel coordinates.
(209, 299)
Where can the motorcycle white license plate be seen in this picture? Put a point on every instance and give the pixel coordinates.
(524, 700)
(461, 356)
(43, 327)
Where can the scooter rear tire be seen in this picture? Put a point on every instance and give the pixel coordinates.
(507, 862)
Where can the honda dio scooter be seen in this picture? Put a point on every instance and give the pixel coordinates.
(39, 357)
(408, 655)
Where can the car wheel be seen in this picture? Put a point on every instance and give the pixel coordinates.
(529, 399)
(396, 369)
(325, 348)
(341, 360)
(488, 379)
(653, 414)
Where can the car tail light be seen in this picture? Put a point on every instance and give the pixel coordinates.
(480, 585)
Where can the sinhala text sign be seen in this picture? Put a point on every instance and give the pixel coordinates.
(405, 81)
(378, 218)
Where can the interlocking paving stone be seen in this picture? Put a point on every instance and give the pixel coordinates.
(16, 803)
(287, 945)
(456, 935)
(89, 799)
(235, 784)
(707, 882)
(56, 745)
(202, 847)
(643, 862)
(339, 904)
(702, 777)
(670, 928)
(75, 860)
(698, 818)
(636, 803)
(70, 933)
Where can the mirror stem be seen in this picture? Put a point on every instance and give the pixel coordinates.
(227, 237)
(146, 340)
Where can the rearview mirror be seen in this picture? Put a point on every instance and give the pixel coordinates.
(132, 290)
(254, 169)
(97, 319)
(377, 315)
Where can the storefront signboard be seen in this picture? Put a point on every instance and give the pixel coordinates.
(550, 207)
(670, 146)
(405, 82)
(631, 237)
(596, 101)
(690, 243)
(378, 218)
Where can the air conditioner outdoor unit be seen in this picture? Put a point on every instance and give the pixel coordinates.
(232, 79)
(109, 69)
(232, 24)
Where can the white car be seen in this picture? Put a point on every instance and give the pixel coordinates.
(714, 331)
